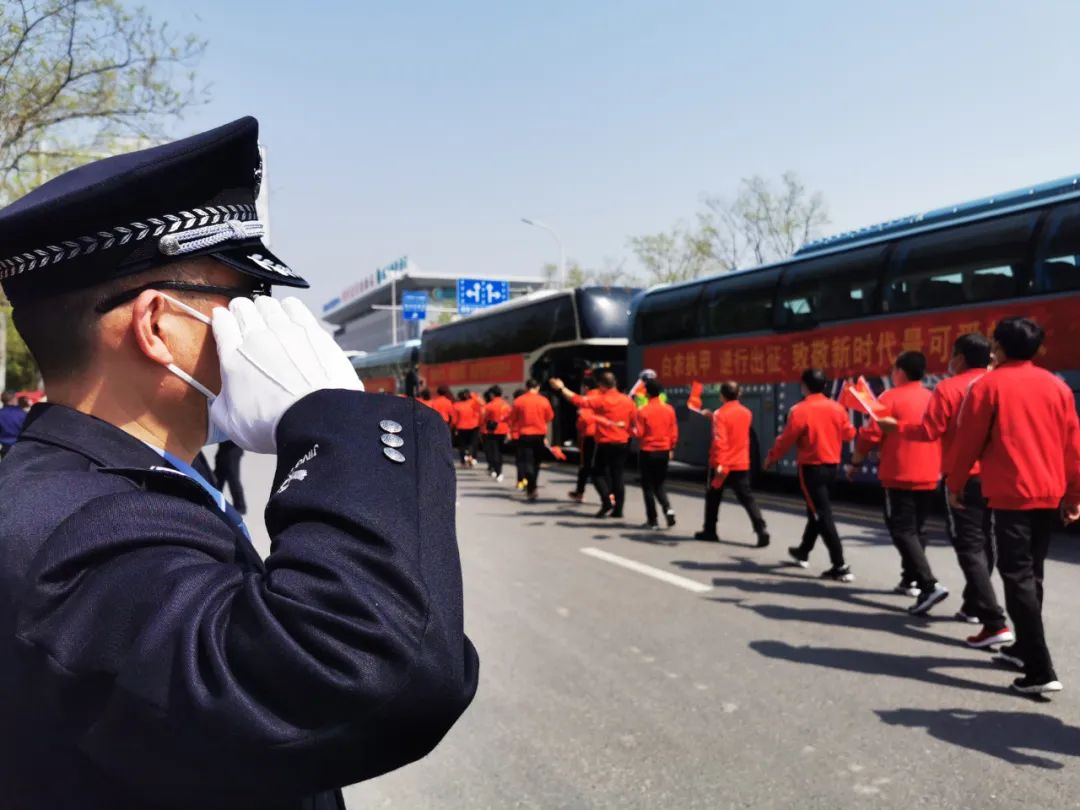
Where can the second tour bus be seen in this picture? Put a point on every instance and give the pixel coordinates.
(554, 333)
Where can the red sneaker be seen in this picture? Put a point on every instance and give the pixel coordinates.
(991, 638)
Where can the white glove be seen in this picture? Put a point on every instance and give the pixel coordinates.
(272, 354)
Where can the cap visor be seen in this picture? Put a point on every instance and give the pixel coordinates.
(256, 261)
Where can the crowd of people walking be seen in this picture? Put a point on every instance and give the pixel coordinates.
(999, 438)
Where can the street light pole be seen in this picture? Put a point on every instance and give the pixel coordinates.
(562, 252)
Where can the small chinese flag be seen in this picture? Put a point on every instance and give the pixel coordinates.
(857, 396)
(694, 400)
(558, 453)
(637, 390)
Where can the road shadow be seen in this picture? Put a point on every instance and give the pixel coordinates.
(559, 513)
(1004, 735)
(804, 586)
(908, 626)
(585, 523)
(723, 542)
(650, 537)
(923, 668)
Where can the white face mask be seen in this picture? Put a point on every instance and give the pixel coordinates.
(214, 434)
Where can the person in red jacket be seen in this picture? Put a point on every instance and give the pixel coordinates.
(616, 422)
(496, 424)
(467, 412)
(658, 433)
(586, 436)
(1019, 422)
(969, 529)
(909, 472)
(729, 465)
(818, 428)
(531, 414)
(444, 404)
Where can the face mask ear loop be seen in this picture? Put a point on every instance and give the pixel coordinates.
(179, 372)
(194, 313)
(198, 386)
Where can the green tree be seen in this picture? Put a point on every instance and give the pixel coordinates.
(22, 372)
(84, 78)
(765, 222)
(680, 254)
(80, 79)
(610, 273)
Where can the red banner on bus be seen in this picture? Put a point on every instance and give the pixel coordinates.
(867, 348)
(507, 368)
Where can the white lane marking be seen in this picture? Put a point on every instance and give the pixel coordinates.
(648, 570)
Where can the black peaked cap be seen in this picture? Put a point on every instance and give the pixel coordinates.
(129, 213)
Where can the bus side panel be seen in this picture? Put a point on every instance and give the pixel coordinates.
(861, 347)
(507, 370)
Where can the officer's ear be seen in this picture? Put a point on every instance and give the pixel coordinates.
(150, 317)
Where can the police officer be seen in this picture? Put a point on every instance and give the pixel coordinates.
(148, 657)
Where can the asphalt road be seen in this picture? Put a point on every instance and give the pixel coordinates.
(717, 676)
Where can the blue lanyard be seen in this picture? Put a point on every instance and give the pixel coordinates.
(191, 472)
(235, 518)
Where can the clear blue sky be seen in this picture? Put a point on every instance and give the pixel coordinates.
(429, 128)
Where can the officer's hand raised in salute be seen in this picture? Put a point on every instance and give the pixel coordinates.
(148, 656)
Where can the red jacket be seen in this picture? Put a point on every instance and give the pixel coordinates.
(939, 420)
(531, 414)
(903, 463)
(658, 429)
(467, 414)
(731, 437)
(497, 411)
(1019, 421)
(586, 419)
(617, 415)
(818, 426)
(445, 408)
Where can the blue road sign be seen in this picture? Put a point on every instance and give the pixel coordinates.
(414, 306)
(477, 293)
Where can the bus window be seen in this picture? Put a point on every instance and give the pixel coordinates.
(517, 330)
(669, 315)
(1059, 269)
(984, 261)
(830, 288)
(604, 311)
(740, 303)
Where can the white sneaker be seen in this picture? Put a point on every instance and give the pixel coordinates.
(927, 599)
(499, 478)
(1036, 686)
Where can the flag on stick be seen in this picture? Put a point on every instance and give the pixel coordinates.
(857, 396)
(694, 400)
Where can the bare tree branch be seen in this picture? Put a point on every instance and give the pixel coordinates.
(80, 77)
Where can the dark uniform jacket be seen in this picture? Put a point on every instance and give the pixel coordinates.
(149, 659)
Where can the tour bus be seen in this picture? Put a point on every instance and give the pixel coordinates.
(389, 369)
(850, 303)
(552, 333)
